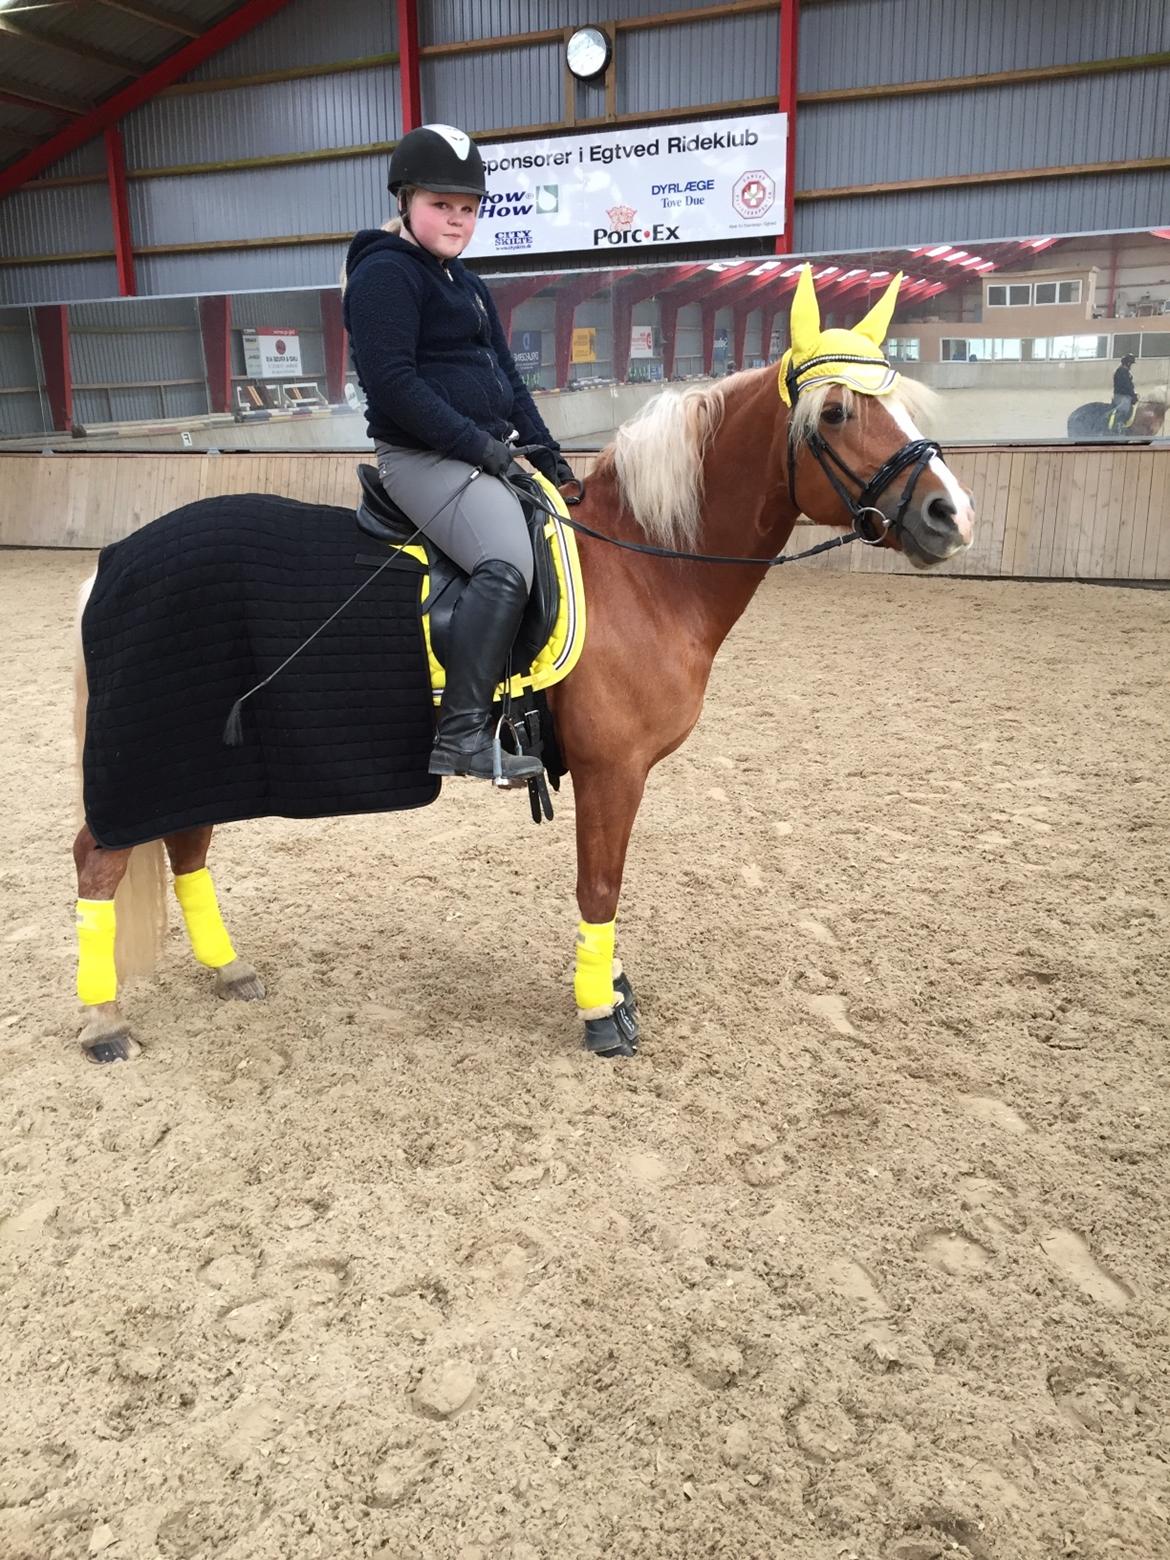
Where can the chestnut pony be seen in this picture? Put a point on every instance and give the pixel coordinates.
(720, 469)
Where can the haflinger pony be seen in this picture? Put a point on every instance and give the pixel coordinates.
(1095, 420)
(714, 471)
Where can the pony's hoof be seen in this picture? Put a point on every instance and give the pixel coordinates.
(107, 1038)
(238, 982)
(604, 1039)
(122, 1049)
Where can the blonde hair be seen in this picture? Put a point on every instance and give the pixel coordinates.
(658, 458)
(394, 225)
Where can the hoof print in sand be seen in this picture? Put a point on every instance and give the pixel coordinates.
(822, 1431)
(256, 1321)
(445, 1390)
(713, 1363)
(1070, 1255)
(954, 1254)
(987, 1108)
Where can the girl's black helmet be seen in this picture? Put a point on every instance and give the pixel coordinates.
(438, 158)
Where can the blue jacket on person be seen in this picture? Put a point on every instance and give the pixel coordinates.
(430, 352)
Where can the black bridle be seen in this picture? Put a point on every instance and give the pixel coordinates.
(916, 455)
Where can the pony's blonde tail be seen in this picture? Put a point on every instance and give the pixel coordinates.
(140, 902)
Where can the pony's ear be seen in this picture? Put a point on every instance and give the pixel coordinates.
(805, 321)
(877, 322)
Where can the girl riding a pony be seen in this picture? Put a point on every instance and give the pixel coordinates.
(444, 405)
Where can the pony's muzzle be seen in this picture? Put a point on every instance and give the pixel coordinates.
(938, 528)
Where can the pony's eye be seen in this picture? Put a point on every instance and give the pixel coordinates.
(834, 415)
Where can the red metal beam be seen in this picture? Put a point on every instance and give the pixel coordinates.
(409, 88)
(508, 296)
(120, 212)
(789, 50)
(336, 345)
(215, 322)
(636, 289)
(241, 21)
(568, 297)
(53, 334)
(707, 282)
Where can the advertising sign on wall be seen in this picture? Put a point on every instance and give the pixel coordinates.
(619, 191)
(272, 354)
(585, 344)
(526, 350)
(642, 341)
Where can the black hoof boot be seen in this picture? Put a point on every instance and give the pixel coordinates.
(625, 1021)
(621, 984)
(603, 1038)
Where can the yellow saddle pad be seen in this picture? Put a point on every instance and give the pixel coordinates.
(558, 656)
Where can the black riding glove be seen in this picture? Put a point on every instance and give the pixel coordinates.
(553, 465)
(497, 458)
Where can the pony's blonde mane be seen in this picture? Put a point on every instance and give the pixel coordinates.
(658, 458)
(658, 455)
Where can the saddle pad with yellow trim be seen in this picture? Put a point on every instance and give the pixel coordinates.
(558, 565)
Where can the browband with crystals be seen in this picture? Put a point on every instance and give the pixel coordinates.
(793, 377)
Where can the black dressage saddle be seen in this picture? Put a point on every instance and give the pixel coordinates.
(379, 517)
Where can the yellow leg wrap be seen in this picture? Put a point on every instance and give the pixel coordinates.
(97, 979)
(593, 981)
(209, 939)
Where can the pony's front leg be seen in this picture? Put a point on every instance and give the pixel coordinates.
(106, 1035)
(210, 942)
(607, 802)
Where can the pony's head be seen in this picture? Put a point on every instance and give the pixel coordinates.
(855, 453)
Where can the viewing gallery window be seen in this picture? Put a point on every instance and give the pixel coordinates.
(905, 350)
(1058, 292)
(1017, 295)
(1004, 295)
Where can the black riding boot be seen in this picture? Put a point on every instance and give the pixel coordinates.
(483, 628)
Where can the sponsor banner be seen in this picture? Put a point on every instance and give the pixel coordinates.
(272, 354)
(526, 350)
(584, 344)
(669, 184)
(642, 341)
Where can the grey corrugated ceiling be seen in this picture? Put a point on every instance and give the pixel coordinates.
(61, 58)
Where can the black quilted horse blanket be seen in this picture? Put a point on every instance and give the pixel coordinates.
(200, 605)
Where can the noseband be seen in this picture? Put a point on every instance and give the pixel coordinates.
(869, 521)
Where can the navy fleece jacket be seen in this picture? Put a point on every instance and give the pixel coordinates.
(430, 352)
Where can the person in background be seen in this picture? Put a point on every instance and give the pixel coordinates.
(1124, 394)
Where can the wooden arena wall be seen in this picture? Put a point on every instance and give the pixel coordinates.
(1057, 512)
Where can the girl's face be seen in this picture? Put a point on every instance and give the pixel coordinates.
(443, 223)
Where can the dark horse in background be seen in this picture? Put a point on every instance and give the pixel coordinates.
(1091, 421)
(712, 469)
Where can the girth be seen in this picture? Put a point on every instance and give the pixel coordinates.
(379, 516)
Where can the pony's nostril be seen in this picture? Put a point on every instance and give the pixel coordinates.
(940, 508)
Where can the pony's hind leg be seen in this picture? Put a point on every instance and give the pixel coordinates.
(210, 942)
(106, 1035)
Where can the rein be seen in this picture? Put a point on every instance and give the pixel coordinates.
(917, 454)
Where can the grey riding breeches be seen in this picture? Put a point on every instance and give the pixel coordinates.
(484, 522)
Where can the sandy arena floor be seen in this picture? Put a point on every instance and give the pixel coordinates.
(865, 1256)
